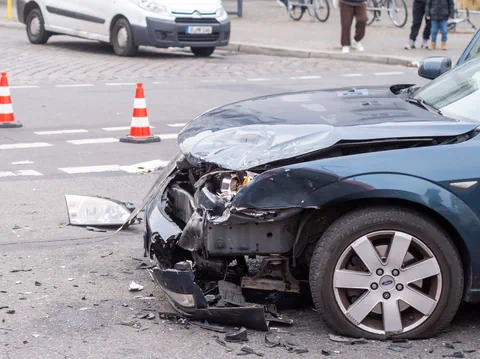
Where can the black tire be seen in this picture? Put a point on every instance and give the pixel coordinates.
(202, 51)
(403, 6)
(327, 8)
(38, 36)
(353, 225)
(129, 48)
(372, 14)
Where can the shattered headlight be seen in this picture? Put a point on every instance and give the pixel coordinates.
(95, 211)
(185, 300)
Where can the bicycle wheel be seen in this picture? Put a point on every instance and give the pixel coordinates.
(295, 12)
(397, 10)
(372, 14)
(322, 10)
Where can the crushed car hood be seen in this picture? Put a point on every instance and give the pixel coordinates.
(251, 133)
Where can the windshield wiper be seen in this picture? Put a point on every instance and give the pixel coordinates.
(421, 103)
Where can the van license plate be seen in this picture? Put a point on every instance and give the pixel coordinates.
(199, 29)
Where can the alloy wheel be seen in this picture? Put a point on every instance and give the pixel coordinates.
(387, 282)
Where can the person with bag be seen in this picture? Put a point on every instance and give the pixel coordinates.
(418, 15)
(439, 11)
(350, 9)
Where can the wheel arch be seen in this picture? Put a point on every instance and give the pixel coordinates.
(322, 217)
(29, 7)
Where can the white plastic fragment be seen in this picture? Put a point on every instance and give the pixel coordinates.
(134, 287)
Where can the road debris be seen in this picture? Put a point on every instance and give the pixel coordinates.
(38, 284)
(214, 328)
(134, 287)
(70, 279)
(454, 355)
(144, 265)
(222, 343)
(399, 347)
(246, 350)
(16, 227)
(470, 351)
(448, 345)
(125, 305)
(346, 340)
(95, 229)
(35, 336)
(84, 309)
(11, 311)
(106, 255)
(326, 352)
(237, 335)
(18, 282)
(20, 270)
(289, 344)
(3, 306)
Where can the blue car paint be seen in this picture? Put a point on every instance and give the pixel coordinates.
(419, 175)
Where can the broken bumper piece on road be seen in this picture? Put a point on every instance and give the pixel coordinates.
(187, 298)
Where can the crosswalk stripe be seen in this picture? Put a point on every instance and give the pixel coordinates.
(13, 146)
(88, 141)
(60, 132)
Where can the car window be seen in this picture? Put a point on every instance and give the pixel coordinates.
(456, 93)
(475, 51)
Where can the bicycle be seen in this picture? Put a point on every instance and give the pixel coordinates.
(452, 23)
(319, 8)
(393, 7)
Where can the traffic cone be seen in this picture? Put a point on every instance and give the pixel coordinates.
(140, 127)
(7, 120)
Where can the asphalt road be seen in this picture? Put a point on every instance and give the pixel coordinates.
(77, 309)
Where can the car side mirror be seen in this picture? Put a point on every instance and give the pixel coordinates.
(432, 67)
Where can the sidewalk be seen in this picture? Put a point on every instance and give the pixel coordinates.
(266, 25)
(266, 29)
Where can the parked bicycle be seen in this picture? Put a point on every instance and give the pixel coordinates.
(397, 11)
(318, 8)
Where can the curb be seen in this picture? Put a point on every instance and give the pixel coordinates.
(257, 49)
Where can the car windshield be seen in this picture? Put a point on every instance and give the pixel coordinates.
(456, 93)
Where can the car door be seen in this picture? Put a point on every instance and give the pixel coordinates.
(95, 17)
(472, 50)
(58, 14)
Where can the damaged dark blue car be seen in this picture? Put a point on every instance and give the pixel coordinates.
(368, 198)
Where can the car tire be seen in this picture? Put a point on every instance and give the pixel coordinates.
(36, 32)
(122, 39)
(202, 51)
(328, 278)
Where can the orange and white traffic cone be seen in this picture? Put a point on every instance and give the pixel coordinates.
(7, 119)
(140, 127)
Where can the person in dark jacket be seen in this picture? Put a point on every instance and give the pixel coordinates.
(438, 11)
(418, 15)
(348, 10)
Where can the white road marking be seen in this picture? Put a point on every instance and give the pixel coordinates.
(122, 128)
(13, 146)
(388, 73)
(121, 84)
(74, 85)
(91, 169)
(22, 163)
(259, 79)
(305, 77)
(137, 168)
(218, 81)
(60, 132)
(20, 173)
(352, 75)
(145, 167)
(168, 136)
(25, 87)
(89, 141)
(180, 124)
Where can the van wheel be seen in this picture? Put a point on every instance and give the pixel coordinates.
(122, 39)
(202, 51)
(35, 28)
(386, 272)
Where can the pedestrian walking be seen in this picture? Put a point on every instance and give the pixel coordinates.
(350, 9)
(418, 16)
(439, 11)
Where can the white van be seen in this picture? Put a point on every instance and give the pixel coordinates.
(201, 25)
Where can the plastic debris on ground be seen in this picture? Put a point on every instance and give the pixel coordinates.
(346, 340)
(135, 287)
(237, 335)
